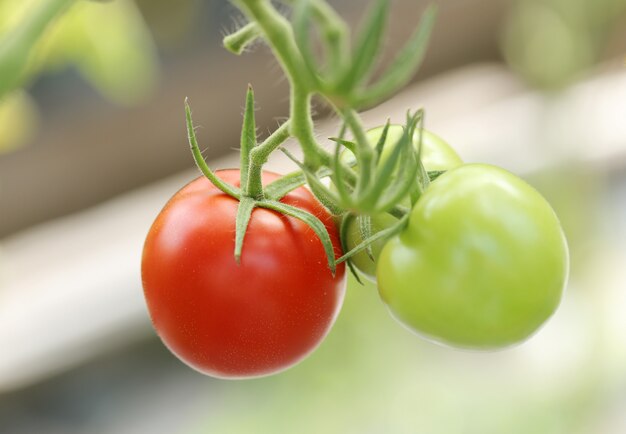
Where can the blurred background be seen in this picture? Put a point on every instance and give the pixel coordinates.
(93, 142)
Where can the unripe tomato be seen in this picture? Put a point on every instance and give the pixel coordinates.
(481, 264)
(234, 320)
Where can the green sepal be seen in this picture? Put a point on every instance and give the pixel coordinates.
(343, 130)
(244, 212)
(398, 211)
(402, 187)
(385, 171)
(276, 190)
(367, 47)
(422, 174)
(365, 231)
(338, 179)
(404, 66)
(349, 145)
(343, 234)
(301, 25)
(320, 191)
(237, 42)
(199, 159)
(248, 139)
(381, 140)
(434, 174)
(381, 235)
(364, 154)
(310, 220)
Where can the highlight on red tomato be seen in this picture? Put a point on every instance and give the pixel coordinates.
(232, 320)
(482, 263)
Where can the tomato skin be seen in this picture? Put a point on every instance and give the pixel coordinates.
(436, 155)
(234, 321)
(482, 263)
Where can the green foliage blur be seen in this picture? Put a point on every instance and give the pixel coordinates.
(108, 43)
(551, 43)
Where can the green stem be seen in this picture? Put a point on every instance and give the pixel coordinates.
(259, 156)
(279, 34)
(269, 145)
(365, 155)
(15, 48)
(302, 126)
(238, 41)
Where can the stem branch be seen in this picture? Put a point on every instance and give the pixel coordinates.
(259, 156)
(279, 34)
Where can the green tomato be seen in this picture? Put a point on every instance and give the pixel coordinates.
(436, 155)
(362, 261)
(482, 263)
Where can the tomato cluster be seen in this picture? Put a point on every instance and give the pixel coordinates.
(481, 263)
(244, 271)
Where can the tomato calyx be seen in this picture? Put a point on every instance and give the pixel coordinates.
(372, 192)
(251, 195)
(378, 190)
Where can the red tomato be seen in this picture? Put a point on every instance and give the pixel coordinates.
(253, 319)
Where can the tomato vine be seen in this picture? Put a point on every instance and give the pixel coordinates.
(467, 255)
